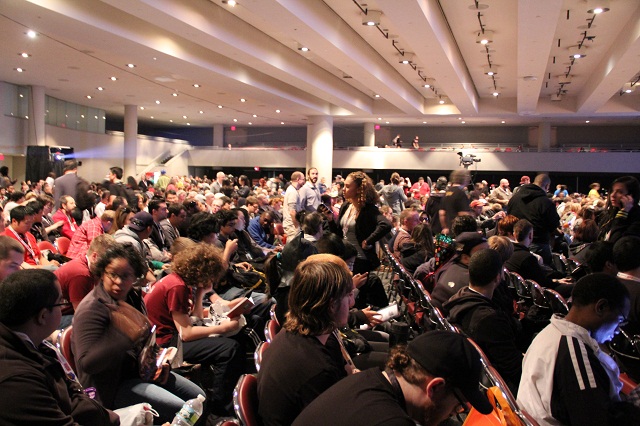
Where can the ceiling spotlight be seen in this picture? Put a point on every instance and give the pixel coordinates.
(243, 100)
(184, 116)
(32, 34)
(495, 94)
(441, 101)
(174, 94)
(88, 96)
(235, 120)
(131, 65)
(157, 102)
(485, 37)
(303, 48)
(277, 111)
(372, 18)
(250, 123)
(255, 116)
(503, 121)
(576, 52)
(100, 88)
(188, 124)
(598, 6)
(201, 112)
(24, 54)
(231, 3)
(489, 70)
(406, 58)
(629, 87)
(19, 69)
(196, 85)
(114, 78)
(141, 108)
(282, 122)
(376, 96)
(587, 121)
(219, 106)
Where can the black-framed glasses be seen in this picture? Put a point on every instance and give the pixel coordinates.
(61, 303)
(122, 278)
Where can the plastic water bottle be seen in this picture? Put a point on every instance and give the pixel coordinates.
(189, 413)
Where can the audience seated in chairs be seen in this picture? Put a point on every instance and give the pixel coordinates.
(107, 351)
(171, 303)
(419, 249)
(305, 358)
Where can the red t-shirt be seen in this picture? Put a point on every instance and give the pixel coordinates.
(76, 281)
(168, 295)
(31, 250)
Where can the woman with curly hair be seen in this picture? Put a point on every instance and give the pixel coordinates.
(305, 358)
(176, 298)
(106, 354)
(361, 223)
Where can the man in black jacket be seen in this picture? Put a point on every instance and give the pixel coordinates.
(36, 387)
(481, 319)
(531, 203)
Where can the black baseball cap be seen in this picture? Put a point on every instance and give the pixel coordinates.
(451, 356)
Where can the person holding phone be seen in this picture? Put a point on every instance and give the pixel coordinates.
(622, 216)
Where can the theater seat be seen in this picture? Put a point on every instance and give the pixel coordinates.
(63, 244)
(64, 345)
(245, 400)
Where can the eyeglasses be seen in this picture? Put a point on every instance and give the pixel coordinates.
(122, 278)
(61, 303)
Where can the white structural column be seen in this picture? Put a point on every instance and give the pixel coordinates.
(544, 136)
(320, 145)
(36, 117)
(130, 141)
(218, 135)
(369, 134)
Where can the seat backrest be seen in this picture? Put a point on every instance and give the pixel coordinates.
(271, 328)
(522, 289)
(64, 345)
(63, 244)
(245, 400)
(557, 303)
(272, 314)
(46, 245)
(537, 294)
(259, 353)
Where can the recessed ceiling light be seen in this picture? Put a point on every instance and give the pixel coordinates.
(462, 122)
(379, 118)
(424, 122)
(231, 3)
(303, 48)
(196, 85)
(114, 78)
(587, 121)
(184, 116)
(426, 86)
(255, 116)
(235, 120)
(100, 88)
(277, 111)
(151, 117)
(142, 108)
(243, 100)
(282, 122)
(157, 102)
(21, 95)
(188, 124)
(19, 69)
(219, 106)
(201, 112)
(250, 123)
(82, 115)
(32, 34)
(441, 101)
(24, 54)
(376, 95)
(459, 118)
(170, 121)
(174, 94)
(27, 117)
(495, 94)
(503, 121)
(131, 65)
(88, 96)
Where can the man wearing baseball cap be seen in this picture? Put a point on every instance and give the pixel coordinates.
(425, 382)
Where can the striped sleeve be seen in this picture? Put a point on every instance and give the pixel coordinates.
(580, 392)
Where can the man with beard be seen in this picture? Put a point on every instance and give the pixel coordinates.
(309, 193)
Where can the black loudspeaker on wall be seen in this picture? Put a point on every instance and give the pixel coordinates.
(44, 159)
